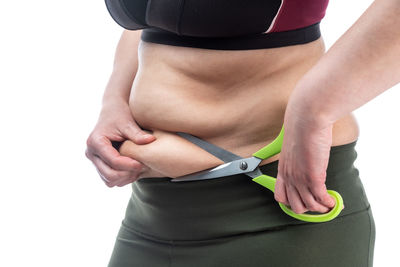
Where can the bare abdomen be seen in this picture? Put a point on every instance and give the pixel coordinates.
(240, 107)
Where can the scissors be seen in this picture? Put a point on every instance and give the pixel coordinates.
(235, 164)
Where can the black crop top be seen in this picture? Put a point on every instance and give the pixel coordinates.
(222, 24)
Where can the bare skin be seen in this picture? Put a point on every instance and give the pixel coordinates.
(168, 156)
(234, 99)
(239, 100)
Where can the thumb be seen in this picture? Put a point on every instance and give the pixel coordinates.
(137, 135)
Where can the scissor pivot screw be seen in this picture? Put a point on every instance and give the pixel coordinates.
(243, 165)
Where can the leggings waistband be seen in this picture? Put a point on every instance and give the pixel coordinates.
(231, 205)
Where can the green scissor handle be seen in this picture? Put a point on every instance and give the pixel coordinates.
(269, 182)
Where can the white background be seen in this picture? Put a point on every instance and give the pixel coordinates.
(55, 60)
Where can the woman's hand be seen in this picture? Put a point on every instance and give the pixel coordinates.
(115, 124)
(169, 156)
(302, 164)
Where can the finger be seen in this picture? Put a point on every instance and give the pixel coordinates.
(102, 176)
(296, 204)
(110, 176)
(134, 133)
(309, 200)
(280, 191)
(102, 148)
(125, 182)
(321, 195)
(108, 181)
(145, 172)
(135, 176)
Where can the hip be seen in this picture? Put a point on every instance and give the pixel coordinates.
(232, 221)
(232, 205)
(346, 242)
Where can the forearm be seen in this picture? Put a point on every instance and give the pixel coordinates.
(362, 64)
(124, 68)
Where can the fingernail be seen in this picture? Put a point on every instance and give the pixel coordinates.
(147, 136)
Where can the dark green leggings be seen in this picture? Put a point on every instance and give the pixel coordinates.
(234, 222)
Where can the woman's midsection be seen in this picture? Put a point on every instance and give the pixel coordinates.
(234, 99)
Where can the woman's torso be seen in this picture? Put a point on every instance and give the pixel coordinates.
(234, 99)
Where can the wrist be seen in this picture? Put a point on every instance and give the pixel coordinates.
(119, 86)
(314, 98)
(114, 96)
(305, 112)
(114, 102)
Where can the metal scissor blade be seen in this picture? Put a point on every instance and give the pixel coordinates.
(243, 165)
(224, 155)
(216, 172)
